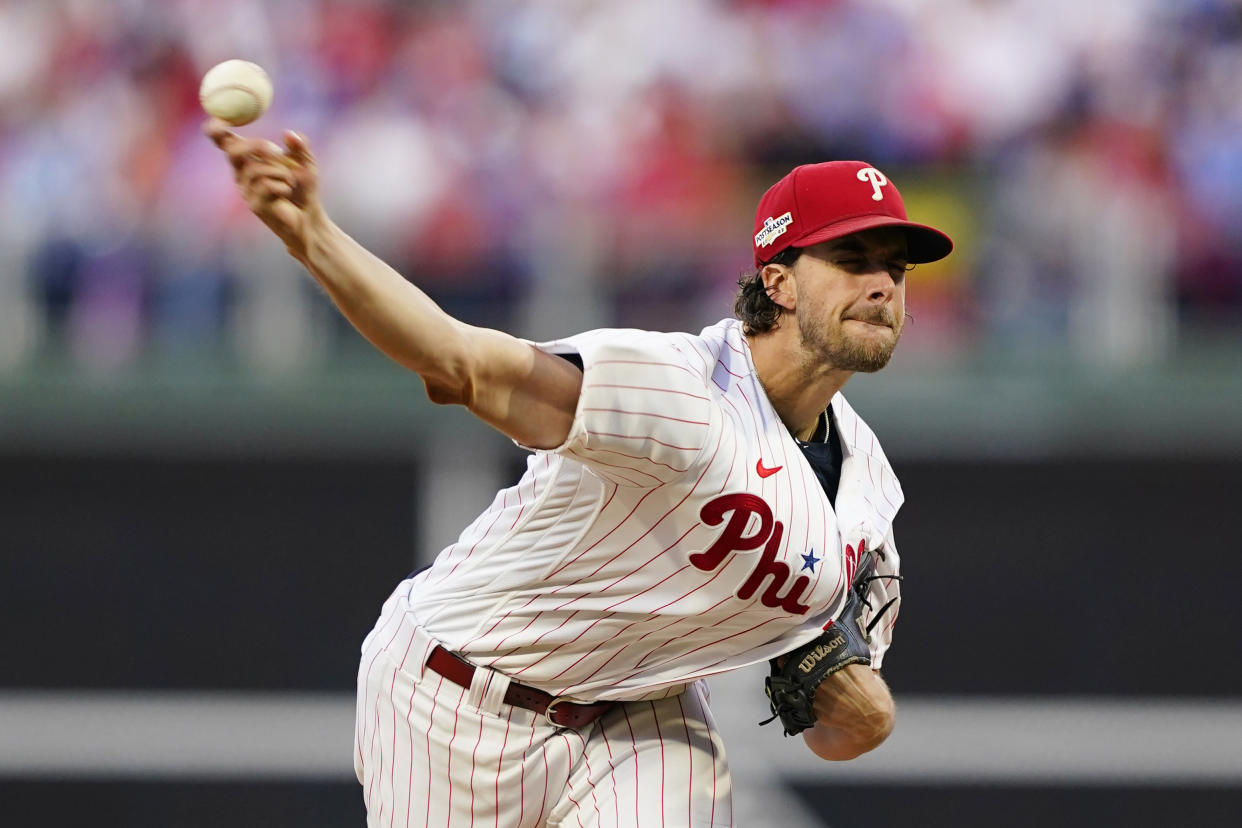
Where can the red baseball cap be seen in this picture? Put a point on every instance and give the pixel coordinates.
(818, 202)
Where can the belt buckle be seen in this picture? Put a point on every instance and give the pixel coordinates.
(550, 709)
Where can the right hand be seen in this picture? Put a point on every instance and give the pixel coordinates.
(281, 187)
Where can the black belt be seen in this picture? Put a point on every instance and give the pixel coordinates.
(555, 710)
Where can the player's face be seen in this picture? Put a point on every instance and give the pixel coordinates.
(852, 298)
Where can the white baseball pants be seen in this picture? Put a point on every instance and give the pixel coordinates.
(431, 753)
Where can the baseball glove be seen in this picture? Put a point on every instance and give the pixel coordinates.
(798, 674)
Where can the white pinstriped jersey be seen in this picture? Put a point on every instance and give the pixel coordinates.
(678, 532)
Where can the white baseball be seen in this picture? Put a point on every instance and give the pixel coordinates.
(236, 90)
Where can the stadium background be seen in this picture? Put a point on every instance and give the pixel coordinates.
(208, 483)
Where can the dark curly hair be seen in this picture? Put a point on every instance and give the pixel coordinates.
(753, 305)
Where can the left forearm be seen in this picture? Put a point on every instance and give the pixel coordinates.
(854, 712)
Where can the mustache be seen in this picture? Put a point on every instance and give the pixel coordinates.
(875, 316)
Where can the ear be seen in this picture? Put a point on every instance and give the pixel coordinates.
(781, 286)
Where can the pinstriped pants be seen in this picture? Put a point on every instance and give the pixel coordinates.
(431, 753)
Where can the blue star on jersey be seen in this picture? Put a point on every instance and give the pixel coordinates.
(809, 561)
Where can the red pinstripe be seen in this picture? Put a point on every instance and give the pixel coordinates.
(448, 770)
(474, 763)
(532, 620)
(646, 438)
(409, 788)
(662, 580)
(783, 552)
(393, 767)
(610, 615)
(625, 711)
(643, 661)
(595, 452)
(656, 611)
(690, 751)
(884, 478)
(657, 389)
(712, 744)
(650, 529)
(672, 623)
(724, 484)
(534, 597)
(709, 644)
(720, 362)
(499, 759)
(755, 424)
(608, 587)
(647, 414)
(836, 589)
(746, 466)
(560, 569)
(521, 511)
(531, 645)
(367, 680)
(653, 526)
(694, 346)
(482, 538)
(663, 767)
(543, 803)
(431, 723)
(888, 625)
(612, 776)
(371, 749)
(630, 480)
(586, 761)
(719, 572)
(678, 366)
(569, 752)
(566, 643)
(602, 510)
(569, 794)
(522, 781)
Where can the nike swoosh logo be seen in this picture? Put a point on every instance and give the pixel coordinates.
(766, 472)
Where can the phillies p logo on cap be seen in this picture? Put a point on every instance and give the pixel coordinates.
(818, 202)
(876, 178)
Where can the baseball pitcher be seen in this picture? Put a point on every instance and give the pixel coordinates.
(692, 503)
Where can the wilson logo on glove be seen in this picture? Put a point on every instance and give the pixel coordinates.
(821, 651)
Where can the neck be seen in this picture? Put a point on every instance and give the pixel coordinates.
(798, 386)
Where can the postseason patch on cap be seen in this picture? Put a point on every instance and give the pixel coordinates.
(772, 229)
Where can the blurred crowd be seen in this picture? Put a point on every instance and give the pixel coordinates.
(548, 165)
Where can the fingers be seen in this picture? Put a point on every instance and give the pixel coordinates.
(275, 181)
(264, 178)
(261, 197)
(218, 131)
(255, 173)
(297, 147)
(242, 150)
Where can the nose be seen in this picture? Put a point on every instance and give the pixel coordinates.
(880, 286)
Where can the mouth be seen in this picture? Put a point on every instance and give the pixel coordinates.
(872, 323)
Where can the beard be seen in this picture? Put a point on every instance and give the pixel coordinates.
(832, 344)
